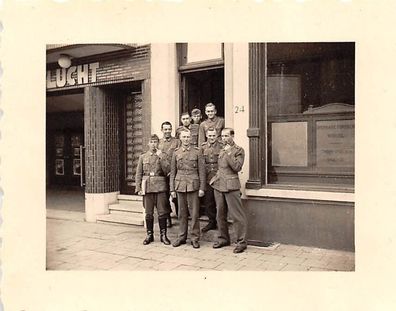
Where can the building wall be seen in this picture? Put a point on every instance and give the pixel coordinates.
(315, 223)
(164, 86)
(237, 98)
(101, 113)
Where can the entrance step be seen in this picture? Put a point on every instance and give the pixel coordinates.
(129, 198)
(126, 218)
(128, 211)
(131, 207)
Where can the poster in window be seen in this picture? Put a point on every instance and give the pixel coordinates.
(76, 167)
(59, 167)
(335, 143)
(75, 140)
(59, 152)
(76, 152)
(59, 141)
(289, 144)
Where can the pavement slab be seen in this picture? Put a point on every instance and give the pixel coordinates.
(73, 244)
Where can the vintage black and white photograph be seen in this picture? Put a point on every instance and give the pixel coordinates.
(201, 156)
(197, 155)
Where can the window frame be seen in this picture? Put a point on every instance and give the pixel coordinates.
(185, 67)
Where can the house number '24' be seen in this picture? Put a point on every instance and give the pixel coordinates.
(239, 109)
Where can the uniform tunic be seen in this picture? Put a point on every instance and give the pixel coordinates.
(210, 153)
(168, 146)
(227, 189)
(217, 123)
(151, 171)
(186, 178)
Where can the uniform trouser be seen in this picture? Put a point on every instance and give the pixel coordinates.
(188, 203)
(237, 215)
(168, 205)
(155, 199)
(210, 204)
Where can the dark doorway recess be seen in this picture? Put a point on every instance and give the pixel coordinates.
(202, 87)
(64, 137)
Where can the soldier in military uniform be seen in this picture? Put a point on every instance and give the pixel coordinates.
(212, 121)
(227, 189)
(152, 168)
(187, 183)
(168, 144)
(210, 151)
(196, 116)
(193, 128)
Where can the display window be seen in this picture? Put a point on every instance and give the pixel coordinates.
(307, 103)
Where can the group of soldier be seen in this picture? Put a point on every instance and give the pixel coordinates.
(201, 163)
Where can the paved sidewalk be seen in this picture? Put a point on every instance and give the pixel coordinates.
(73, 244)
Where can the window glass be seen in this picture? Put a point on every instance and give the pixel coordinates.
(198, 52)
(310, 112)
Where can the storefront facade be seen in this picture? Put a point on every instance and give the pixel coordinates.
(292, 108)
(114, 102)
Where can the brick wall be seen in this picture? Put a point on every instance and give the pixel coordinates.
(101, 113)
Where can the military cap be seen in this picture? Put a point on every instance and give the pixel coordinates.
(195, 112)
(154, 137)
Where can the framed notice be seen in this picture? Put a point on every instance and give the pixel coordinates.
(59, 141)
(335, 143)
(59, 167)
(76, 152)
(59, 152)
(76, 167)
(75, 140)
(289, 144)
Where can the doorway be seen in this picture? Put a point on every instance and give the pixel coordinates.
(64, 139)
(132, 128)
(202, 87)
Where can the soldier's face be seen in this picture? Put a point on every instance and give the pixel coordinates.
(196, 118)
(153, 144)
(226, 137)
(210, 112)
(185, 120)
(167, 130)
(212, 136)
(185, 138)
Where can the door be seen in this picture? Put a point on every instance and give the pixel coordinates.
(131, 138)
(66, 157)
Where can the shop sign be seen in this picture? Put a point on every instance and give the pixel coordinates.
(74, 75)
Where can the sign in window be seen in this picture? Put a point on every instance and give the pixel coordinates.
(289, 144)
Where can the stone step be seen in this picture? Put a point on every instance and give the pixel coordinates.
(127, 213)
(129, 207)
(128, 197)
(128, 219)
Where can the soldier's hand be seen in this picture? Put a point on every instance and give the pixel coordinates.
(201, 193)
(227, 146)
(173, 194)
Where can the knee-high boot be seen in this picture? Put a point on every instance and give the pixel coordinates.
(163, 237)
(150, 234)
